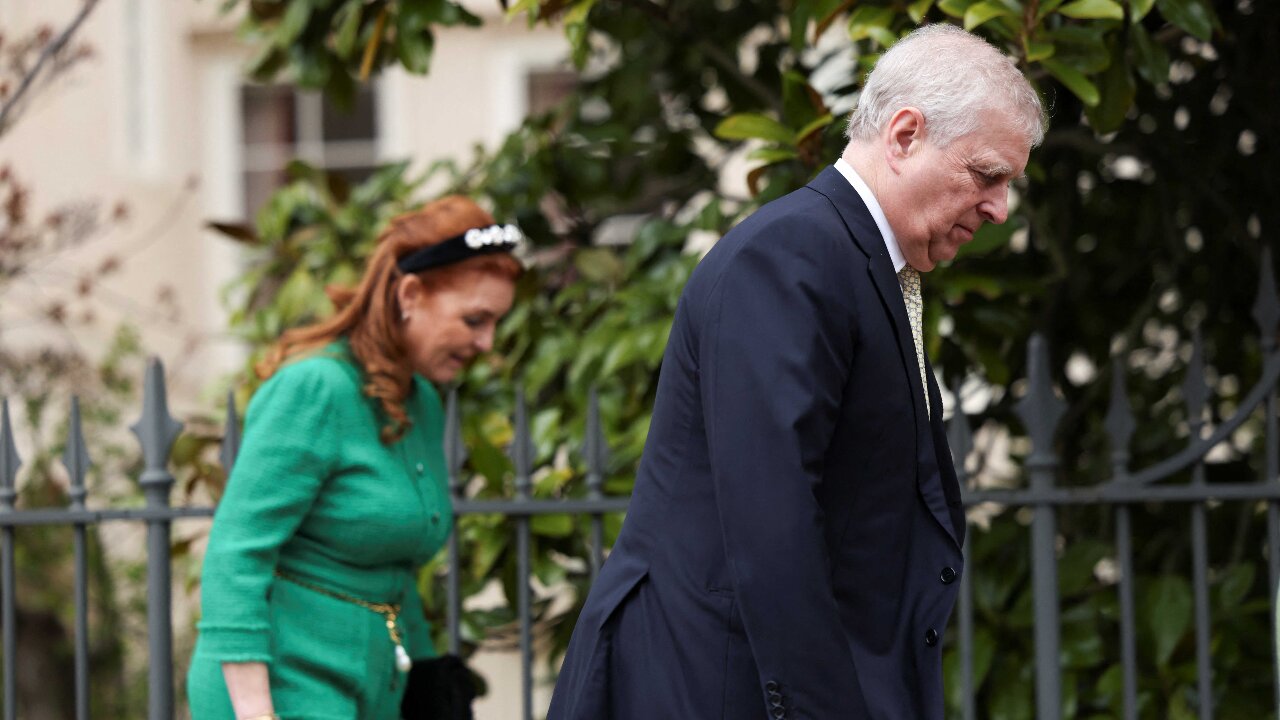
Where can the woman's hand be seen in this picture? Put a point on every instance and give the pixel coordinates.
(250, 688)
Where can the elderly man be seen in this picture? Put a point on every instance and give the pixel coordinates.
(793, 543)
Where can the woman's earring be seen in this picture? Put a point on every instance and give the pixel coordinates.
(404, 316)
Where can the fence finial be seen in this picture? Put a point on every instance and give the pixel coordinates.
(1119, 423)
(9, 459)
(230, 447)
(1041, 408)
(1266, 308)
(156, 429)
(522, 454)
(76, 456)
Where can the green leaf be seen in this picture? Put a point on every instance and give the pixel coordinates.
(813, 127)
(749, 126)
(1037, 51)
(599, 265)
(1075, 81)
(955, 8)
(1093, 10)
(773, 155)
(918, 9)
(296, 17)
(1190, 15)
(800, 102)
(578, 14)
(884, 36)
(1081, 46)
(300, 296)
(1150, 57)
(1235, 585)
(1117, 92)
(1138, 9)
(978, 14)
(552, 525)
(414, 48)
(868, 21)
(1166, 613)
(346, 38)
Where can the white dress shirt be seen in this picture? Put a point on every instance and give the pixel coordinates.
(877, 214)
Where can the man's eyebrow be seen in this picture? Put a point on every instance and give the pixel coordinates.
(994, 169)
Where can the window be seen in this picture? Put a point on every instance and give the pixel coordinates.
(545, 89)
(282, 123)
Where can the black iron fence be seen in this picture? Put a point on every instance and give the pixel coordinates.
(1040, 410)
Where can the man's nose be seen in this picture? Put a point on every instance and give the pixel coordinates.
(995, 208)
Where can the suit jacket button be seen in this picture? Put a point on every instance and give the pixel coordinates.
(771, 686)
(948, 575)
(931, 637)
(779, 713)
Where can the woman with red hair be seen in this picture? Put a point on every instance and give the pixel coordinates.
(309, 598)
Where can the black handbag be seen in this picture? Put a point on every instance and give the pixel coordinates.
(441, 688)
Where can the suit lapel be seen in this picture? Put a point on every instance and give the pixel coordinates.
(866, 235)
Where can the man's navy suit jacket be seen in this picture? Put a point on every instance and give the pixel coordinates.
(793, 542)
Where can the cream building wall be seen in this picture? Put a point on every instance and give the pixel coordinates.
(154, 120)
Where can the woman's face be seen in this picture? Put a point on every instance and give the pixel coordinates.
(446, 327)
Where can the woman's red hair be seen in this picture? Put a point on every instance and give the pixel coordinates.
(369, 315)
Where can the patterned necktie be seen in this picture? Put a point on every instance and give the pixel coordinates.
(909, 279)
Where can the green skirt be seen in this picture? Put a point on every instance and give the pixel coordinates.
(331, 660)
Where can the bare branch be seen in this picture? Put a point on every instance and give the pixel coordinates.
(50, 51)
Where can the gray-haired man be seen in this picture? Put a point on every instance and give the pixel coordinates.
(793, 543)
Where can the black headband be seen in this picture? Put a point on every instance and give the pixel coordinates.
(476, 241)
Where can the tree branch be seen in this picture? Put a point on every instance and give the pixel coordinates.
(50, 50)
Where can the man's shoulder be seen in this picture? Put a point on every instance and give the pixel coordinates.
(803, 221)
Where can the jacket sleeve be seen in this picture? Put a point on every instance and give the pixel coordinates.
(775, 349)
(290, 447)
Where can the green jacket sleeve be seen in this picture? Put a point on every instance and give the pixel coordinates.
(290, 446)
(413, 620)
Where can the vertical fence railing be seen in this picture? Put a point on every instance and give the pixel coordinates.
(9, 464)
(455, 454)
(522, 458)
(596, 451)
(1266, 313)
(76, 460)
(1120, 427)
(1040, 411)
(156, 431)
(1196, 394)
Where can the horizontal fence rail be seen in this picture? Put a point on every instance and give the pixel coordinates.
(1040, 410)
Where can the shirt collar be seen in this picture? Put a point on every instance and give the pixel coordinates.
(877, 214)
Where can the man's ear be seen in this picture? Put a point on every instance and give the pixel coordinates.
(902, 135)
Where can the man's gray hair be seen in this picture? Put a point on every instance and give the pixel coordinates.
(951, 76)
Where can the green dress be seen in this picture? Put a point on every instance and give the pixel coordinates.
(316, 497)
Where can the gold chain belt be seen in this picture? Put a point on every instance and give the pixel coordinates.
(389, 611)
